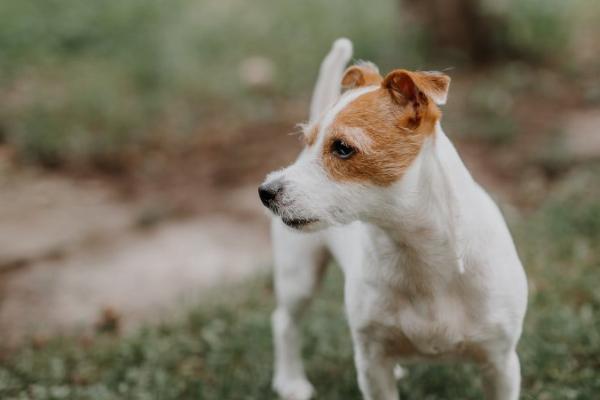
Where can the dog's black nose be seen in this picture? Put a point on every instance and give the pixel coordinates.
(268, 192)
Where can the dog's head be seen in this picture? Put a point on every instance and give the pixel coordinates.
(358, 149)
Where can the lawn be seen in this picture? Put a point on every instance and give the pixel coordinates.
(222, 348)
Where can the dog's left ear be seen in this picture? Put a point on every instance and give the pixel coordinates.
(409, 86)
(362, 74)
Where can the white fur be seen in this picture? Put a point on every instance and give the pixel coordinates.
(431, 271)
(327, 88)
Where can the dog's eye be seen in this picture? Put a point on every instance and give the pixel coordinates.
(341, 149)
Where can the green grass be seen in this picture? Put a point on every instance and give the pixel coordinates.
(222, 349)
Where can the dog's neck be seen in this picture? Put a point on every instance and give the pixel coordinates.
(426, 214)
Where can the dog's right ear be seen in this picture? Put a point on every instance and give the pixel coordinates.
(363, 74)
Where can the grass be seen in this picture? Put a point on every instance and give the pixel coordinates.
(222, 349)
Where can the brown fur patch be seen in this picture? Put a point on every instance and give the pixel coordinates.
(432, 84)
(397, 118)
(360, 75)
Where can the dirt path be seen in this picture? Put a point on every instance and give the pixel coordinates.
(74, 252)
(140, 278)
(77, 251)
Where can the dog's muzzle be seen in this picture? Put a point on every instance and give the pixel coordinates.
(269, 192)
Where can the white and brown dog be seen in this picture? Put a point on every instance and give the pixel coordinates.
(431, 271)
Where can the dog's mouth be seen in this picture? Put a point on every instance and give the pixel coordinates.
(298, 223)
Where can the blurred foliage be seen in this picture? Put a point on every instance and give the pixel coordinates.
(93, 81)
(222, 350)
(491, 107)
(87, 79)
(539, 29)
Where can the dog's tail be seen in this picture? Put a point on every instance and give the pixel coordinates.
(328, 86)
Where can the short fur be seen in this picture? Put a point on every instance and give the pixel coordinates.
(431, 271)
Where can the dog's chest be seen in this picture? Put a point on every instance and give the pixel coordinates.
(413, 315)
(412, 328)
(415, 302)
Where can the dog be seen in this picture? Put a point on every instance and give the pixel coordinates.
(431, 271)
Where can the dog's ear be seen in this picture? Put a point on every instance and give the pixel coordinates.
(407, 86)
(362, 74)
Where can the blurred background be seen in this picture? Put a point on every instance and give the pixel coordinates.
(134, 253)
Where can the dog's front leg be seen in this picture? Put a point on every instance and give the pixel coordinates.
(300, 260)
(502, 377)
(375, 372)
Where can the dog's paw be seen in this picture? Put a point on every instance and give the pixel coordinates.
(295, 389)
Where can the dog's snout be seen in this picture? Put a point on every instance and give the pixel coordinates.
(268, 192)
